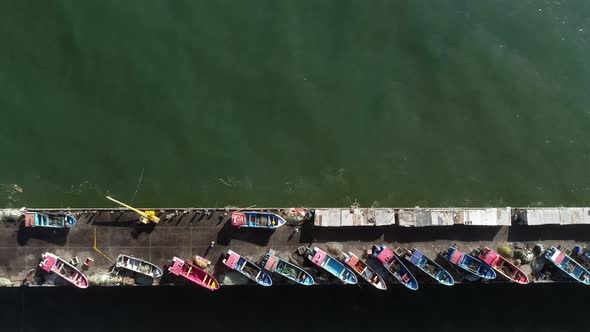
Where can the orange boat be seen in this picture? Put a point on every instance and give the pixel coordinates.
(503, 266)
(193, 273)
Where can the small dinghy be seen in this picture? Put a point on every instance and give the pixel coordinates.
(138, 265)
(365, 271)
(566, 264)
(503, 266)
(469, 263)
(256, 219)
(332, 265)
(57, 265)
(428, 266)
(394, 265)
(288, 270)
(247, 268)
(193, 273)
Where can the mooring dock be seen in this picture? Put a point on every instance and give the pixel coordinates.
(103, 234)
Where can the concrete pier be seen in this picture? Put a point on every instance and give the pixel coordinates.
(102, 234)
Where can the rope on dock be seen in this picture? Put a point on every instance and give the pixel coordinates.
(98, 250)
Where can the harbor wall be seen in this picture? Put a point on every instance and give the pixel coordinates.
(102, 234)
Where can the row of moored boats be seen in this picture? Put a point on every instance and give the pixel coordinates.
(487, 265)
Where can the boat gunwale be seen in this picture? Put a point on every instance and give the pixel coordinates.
(501, 272)
(398, 259)
(559, 266)
(255, 278)
(367, 267)
(441, 269)
(58, 258)
(462, 265)
(157, 268)
(279, 259)
(351, 274)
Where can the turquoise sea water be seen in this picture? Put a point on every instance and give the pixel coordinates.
(280, 103)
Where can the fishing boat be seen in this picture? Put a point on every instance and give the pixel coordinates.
(469, 263)
(365, 271)
(195, 274)
(394, 265)
(288, 270)
(428, 266)
(247, 268)
(503, 266)
(332, 265)
(568, 265)
(256, 219)
(55, 264)
(138, 265)
(50, 220)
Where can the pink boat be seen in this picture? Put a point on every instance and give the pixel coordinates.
(193, 273)
(55, 264)
(503, 266)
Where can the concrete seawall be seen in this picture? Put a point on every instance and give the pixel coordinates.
(102, 234)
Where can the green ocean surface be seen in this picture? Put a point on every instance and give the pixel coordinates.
(283, 103)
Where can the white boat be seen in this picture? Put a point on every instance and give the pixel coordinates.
(138, 265)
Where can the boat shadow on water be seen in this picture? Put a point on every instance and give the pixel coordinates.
(55, 236)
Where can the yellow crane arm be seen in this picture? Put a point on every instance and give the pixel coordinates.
(148, 216)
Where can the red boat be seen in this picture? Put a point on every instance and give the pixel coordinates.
(53, 263)
(193, 273)
(503, 266)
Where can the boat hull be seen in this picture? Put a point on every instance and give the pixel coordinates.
(503, 267)
(365, 271)
(288, 270)
(55, 264)
(568, 265)
(395, 266)
(137, 265)
(469, 263)
(65, 221)
(332, 266)
(429, 267)
(255, 219)
(247, 268)
(193, 273)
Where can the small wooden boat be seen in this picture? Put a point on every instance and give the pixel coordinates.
(49, 220)
(247, 268)
(332, 265)
(395, 266)
(428, 266)
(568, 265)
(57, 265)
(503, 266)
(138, 265)
(256, 219)
(469, 263)
(288, 270)
(195, 274)
(365, 271)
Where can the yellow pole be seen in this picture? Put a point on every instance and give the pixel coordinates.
(148, 216)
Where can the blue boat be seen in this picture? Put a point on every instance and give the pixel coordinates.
(256, 219)
(247, 268)
(469, 263)
(332, 265)
(428, 266)
(568, 265)
(49, 220)
(394, 265)
(288, 270)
